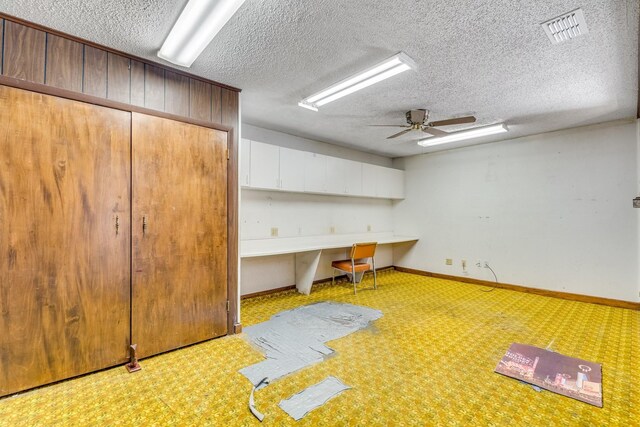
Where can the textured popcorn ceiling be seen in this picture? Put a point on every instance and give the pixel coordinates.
(487, 58)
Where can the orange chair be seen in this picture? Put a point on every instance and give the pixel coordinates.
(357, 263)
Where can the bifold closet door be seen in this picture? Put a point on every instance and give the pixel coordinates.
(64, 238)
(179, 236)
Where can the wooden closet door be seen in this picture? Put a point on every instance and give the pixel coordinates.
(64, 272)
(179, 292)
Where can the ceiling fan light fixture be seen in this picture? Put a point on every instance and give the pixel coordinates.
(199, 22)
(464, 134)
(390, 67)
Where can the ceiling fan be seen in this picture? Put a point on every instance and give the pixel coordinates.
(418, 120)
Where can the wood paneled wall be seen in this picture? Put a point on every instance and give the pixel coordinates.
(52, 59)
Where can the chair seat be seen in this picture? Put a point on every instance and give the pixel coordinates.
(345, 265)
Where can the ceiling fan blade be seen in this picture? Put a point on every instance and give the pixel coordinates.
(434, 131)
(456, 121)
(399, 133)
(392, 126)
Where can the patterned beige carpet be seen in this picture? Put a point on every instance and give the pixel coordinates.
(428, 361)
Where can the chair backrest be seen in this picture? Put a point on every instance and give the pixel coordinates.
(363, 250)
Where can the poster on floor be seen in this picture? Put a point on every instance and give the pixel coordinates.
(569, 376)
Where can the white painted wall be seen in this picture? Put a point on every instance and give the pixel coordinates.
(550, 211)
(298, 214)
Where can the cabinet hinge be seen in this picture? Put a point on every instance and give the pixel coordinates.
(227, 306)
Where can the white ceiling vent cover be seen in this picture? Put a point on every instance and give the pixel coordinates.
(565, 27)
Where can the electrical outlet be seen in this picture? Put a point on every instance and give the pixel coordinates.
(485, 264)
(368, 227)
(274, 231)
(332, 230)
(448, 261)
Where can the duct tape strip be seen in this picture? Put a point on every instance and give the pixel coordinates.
(252, 404)
(299, 405)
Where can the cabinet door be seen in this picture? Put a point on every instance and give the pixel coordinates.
(384, 184)
(291, 169)
(244, 174)
(64, 236)
(336, 171)
(353, 178)
(315, 173)
(369, 179)
(397, 183)
(179, 284)
(265, 166)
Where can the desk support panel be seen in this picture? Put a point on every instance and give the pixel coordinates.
(306, 266)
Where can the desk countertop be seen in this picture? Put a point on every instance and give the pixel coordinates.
(288, 245)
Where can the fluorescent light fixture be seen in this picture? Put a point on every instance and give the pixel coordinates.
(464, 134)
(381, 71)
(197, 25)
(307, 106)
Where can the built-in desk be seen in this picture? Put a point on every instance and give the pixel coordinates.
(308, 250)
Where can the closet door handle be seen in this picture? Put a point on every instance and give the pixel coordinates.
(117, 224)
(144, 225)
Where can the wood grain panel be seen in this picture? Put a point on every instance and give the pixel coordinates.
(200, 99)
(180, 257)
(1, 42)
(95, 72)
(118, 78)
(64, 63)
(64, 293)
(176, 94)
(24, 52)
(216, 104)
(229, 117)
(153, 87)
(137, 83)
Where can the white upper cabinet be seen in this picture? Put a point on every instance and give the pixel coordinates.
(336, 175)
(264, 166)
(315, 173)
(353, 178)
(344, 176)
(384, 182)
(245, 163)
(397, 184)
(292, 169)
(271, 167)
(369, 179)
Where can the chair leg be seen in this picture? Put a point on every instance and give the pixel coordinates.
(353, 276)
(333, 276)
(375, 285)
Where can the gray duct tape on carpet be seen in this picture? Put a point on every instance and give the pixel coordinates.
(294, 339)
(310, 398)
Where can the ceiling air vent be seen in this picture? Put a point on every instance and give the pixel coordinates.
(565, 27)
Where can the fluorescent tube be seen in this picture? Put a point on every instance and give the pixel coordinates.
(381, 71)
(197, 25)
(464, 134)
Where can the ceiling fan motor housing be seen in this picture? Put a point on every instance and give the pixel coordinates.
(416, 116)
